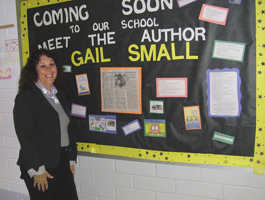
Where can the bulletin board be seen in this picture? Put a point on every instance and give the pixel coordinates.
(165, 80)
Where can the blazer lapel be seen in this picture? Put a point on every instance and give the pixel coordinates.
(63, 102)
(41, 97)
(45, 102)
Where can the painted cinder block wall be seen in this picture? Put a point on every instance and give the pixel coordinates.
(105, 178)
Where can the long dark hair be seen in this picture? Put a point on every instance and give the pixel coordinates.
(29, 76)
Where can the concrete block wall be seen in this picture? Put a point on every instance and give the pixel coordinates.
(106, 178)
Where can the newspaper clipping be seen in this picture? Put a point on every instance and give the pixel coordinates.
(121, 90)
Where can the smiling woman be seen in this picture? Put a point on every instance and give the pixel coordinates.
(29, 73)
(44, 130)
(47, 72)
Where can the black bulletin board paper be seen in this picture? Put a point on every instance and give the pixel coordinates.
(123, 46)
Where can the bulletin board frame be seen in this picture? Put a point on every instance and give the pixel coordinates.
(257, 162)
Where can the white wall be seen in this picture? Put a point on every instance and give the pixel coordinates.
(106, 178)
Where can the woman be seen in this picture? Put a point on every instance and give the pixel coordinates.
(42, 122)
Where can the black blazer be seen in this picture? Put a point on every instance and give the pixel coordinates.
(38, 129)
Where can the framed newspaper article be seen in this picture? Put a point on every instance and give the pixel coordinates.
(121, 89)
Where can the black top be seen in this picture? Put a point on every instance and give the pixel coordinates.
(37, 127)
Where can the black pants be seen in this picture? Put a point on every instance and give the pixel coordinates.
(61, 187)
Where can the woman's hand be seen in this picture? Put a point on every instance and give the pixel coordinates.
(72, 168)
(41, 181)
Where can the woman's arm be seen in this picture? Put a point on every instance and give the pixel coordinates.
(24, 118)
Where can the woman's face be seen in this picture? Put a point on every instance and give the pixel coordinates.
(47, 71)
